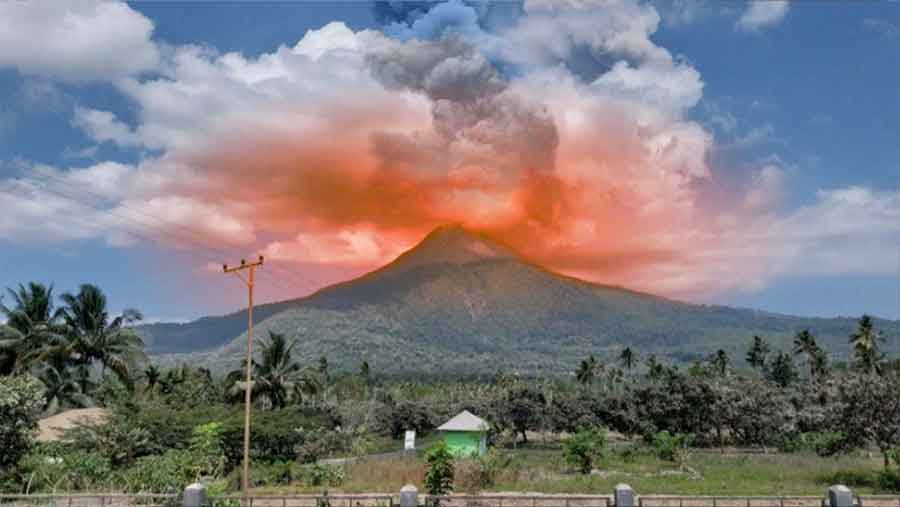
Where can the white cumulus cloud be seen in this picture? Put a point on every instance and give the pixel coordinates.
(77, 40)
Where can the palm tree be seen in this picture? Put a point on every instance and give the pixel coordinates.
(151, 376)
(94, 338)
(586, 370)
(655, 369)
(628, 358)
(758, 353)
(805, 344)
(364, 371)
(31, 325)
(720, 361)
(62, 390)
(865, 343)
(276, 377)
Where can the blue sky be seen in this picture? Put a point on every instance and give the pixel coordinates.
(789, 114)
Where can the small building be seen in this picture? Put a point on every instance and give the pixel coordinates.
(466, 434)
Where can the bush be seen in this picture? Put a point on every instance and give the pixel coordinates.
(440, 470)
(823, 443)
(270, 474)
(52, 468)
(119, 438)
(208, 450)
(889, 481)
(481, 472)
(585, 448)
(21, 400)
(672, 448)
(320, 443)
(324, 475)
(851, 478)
(167, 473)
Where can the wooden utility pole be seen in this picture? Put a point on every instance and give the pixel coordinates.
(251, 267)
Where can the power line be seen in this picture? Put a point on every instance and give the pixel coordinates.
(213, 258)
(189, 240)
(99, 200)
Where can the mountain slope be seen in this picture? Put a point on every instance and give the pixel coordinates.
(460, 303)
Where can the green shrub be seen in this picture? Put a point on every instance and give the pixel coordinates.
(674, 448)
(271, 474)
(440, 470)
(823, 443)
(852, 478)
(121, 439)
(21, 400)
(889, 481)
(481, 472)
(51, 469)
(166, 473)
(320, 443)
(319, 474)
(583, 449)
(208, 450)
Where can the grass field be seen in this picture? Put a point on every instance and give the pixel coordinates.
(542, 471)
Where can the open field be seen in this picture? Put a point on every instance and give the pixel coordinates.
(537, 471)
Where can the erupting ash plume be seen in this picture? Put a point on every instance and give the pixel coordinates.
(558, 127)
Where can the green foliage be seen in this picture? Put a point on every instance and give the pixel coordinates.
(166, 473)
(277, 378)
(404, 416)
(672, 447)
(889, 481)
(20, 403)
(851, 478)
(440, 470)
(319, 474)
(52, 469)
(119, 438)
(782, 371)
(207, 446)
(823, 443)
(866, 346)
(481, 472)
(318, 443)
(583, 449)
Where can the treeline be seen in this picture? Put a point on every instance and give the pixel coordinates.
(170, 426)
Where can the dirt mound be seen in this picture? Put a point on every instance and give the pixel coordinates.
(51, 428)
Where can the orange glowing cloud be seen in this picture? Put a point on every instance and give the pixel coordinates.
(350, 146)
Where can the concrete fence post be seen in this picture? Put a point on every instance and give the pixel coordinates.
(409, 496)
(194, 496)
(840, 496)
(623, 496)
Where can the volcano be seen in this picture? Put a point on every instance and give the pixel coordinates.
(460, 303)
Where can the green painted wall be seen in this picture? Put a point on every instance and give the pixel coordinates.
(463, 443)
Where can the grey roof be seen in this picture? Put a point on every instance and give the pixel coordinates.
(465, 421)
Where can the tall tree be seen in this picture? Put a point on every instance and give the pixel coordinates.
(62, 390)
(151, 377)
(805, 344)
(655, 369)
(95, 338)
(32, 323)
(866, 350)
(628, 358)
(586, 371)
(782, 370)
(720, 362)
(276, 376)
(364, 372)
(758, 353)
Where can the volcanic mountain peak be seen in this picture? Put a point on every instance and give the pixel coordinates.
(453, 244)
